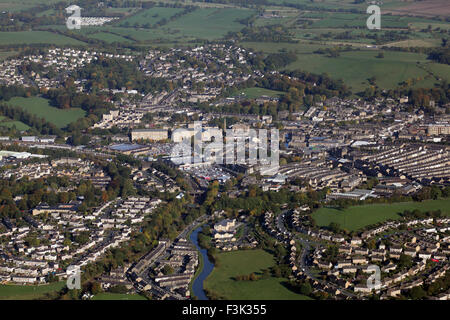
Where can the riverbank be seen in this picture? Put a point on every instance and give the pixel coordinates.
(204, 269)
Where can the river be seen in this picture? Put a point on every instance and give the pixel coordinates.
(208, 266)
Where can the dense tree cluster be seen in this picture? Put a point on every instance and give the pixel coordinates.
(106, 73)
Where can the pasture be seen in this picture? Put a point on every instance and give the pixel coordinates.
(41, 108)
(35, 37)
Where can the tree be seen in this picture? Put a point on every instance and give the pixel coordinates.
(417, 293)
(167, 269)
(405, 261)
(306, 289)
(335, 227)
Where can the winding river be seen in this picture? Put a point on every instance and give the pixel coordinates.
(208, 266)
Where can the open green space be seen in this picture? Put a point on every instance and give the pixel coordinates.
(11, 123)
(108, 37)
(41, 108)
(356, 67)
(34, 37)
(231, 264)
(253, 93)
(150, 16)
(357, 217)
(209, 23)
(28, 292)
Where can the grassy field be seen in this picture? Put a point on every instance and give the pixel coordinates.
(42, 108)
(150, 16)
(209, 23)
(253, 93)
(33, 37)
(108, 37)
(10, 123)
(234, 263)
(356, 67)
(357, 217)
(19, 292)
(118, 296)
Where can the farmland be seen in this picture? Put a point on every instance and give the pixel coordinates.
(209, 23)
(150, 16)
(357, 217)
(356, 67)
(35, 37)
(41, 108)
(231, 264)
(316, 25)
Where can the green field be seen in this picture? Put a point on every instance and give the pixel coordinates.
(10, 123)
(209, 23)
(42, 108)
(235, 263)
(356, 67)
(33, 37)
(150, 16)
(253, 93)
(108, 37)
(117, 296)
(357, 217)
(19, 292)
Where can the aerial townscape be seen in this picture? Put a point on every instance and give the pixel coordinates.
(126, 145)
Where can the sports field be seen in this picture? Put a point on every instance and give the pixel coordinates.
(20, 292)
(253, 93)
(42, 108)
(357, 217)
(244, 262)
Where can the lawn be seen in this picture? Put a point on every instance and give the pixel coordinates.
(357, 217)
(118, 296)
(19, 292)
(234, 263)
(42, 108)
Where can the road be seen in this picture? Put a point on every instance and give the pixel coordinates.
(146, 279)
(303, 258)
